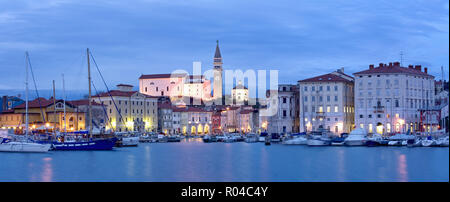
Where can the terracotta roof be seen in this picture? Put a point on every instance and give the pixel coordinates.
(161, 76)
(83, 102)
(116, 93)
(394, 68)
(40, 102)
(326, 78)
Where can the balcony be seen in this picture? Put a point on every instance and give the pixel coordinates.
(320, 114)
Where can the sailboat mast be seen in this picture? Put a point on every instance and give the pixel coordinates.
(54, 109)
(26, 94)
(64, 102)
(89, 99)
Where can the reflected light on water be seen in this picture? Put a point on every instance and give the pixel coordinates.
(341, 165)
(402, 168)
(131, 165)
(47, 172)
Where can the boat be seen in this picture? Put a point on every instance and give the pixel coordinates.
(429, 142)
(442, 142)
(262, 137)
(375, 140)
(275, 137)
(395, 143)
(127, 140)
(173, 138)
(319, 138)
(7, 145)
(251, 138)
(356, 138)
(267, 141)
(162, 138)
(296, 140)
(220, 138)
(338, 141)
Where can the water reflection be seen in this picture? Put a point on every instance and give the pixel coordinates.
(402, 168)
(47, 172)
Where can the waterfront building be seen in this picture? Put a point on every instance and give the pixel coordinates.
(327, 101)
(286, 119)
(245, 122)
(239, 94)
(129, 110)
(44, 113)
(229, 119)
(9, 102)
(165, 118)
(99, 117)
(388, 98)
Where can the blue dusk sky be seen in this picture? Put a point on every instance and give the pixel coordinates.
(301, 39)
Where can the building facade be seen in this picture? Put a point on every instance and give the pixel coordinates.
(286, 119)
(327, 102)
(129, 110)
(388, 98)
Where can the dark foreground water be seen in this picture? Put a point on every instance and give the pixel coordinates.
(194, 160)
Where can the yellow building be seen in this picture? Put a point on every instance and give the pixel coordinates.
(43, 113)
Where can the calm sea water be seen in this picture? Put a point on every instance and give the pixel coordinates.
(193, 160)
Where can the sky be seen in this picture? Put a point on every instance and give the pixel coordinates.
(298, 38)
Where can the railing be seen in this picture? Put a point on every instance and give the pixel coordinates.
(378, 109)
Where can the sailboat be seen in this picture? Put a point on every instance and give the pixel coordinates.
(67, 142)
(7, 145)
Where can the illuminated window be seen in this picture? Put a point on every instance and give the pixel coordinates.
(370, 128)
(336, 109)
(328, 108)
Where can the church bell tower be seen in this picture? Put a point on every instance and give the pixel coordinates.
(217, 88)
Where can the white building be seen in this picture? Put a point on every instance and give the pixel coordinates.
(286, 119)
(327, 102)
(129, 110)
(388, 97)
(239, 94)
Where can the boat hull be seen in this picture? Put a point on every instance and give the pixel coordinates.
(355, 143)
(103, 144)
(24, 147)
(312, 142)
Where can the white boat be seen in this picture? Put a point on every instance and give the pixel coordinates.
(262, 137)
(251, 138)
(130, 141)
(297, 140)
(394, 143)
(356, 138)
(6, 146)
(23, 146)
(442, 142)
(428, 143)
(318, 140)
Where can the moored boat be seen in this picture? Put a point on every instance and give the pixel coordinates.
(356, 138)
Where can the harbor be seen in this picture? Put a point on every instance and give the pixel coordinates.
(192, 160)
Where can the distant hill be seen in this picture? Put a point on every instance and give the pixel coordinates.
(70, 94)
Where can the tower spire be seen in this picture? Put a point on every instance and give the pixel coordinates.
(217, 55)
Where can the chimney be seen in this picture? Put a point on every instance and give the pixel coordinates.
(390, 64)
(381, 65)
(425, 70)
(396, 64)
(371, 66)
(419, 67)
(410, 66)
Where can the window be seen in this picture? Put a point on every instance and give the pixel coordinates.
(306, 98)
(320, 88)
(313, 88)
(305, 89)
(328, 109)
(361, 116)
(320, 98)
(328, 98)
(328, 88)
(336, 109)
(320, 109)
(284, 100)
(313, 98)
(284, 113)
(335, 98)
(397, 103)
